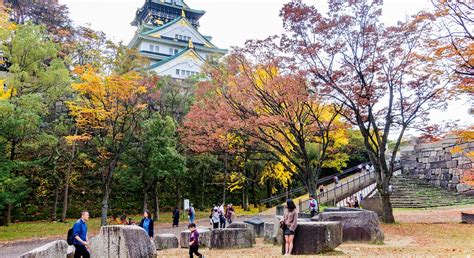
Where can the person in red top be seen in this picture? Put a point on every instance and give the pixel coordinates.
(193, 241)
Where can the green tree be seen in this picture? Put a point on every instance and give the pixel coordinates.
(154, 157)
(37, 79)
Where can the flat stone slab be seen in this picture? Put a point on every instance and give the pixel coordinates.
(268, 228)
(257, 224)
(166, 241)
(57, 248)
(359, 225)
(316, 237)
(204, 237)
(122, 242)
(244, 225)
(226, 238)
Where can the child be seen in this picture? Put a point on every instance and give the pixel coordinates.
(193, 241)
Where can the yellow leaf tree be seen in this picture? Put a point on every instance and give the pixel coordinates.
(107, 109)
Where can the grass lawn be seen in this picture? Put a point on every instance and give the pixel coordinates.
(44, 229)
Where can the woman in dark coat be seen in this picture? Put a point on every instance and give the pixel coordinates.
(147, 224)
(175, 217)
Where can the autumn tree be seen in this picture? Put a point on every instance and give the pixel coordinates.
(251, 96)
(384, 76)
(108, 110)
(454, 41)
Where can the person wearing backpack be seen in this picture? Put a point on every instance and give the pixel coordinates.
(313, 205)
(79, 236)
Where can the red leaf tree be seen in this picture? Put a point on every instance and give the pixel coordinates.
(384, 76)
(254, 95)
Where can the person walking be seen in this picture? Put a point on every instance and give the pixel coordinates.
(191, 214)
(221, 212)
(79, 232)
(313, 206)
(215, 217)
(194, 241)
(289, 223)
(229, 213)
(147, 224)
(321, 189)
(175, 217)
(356, 203)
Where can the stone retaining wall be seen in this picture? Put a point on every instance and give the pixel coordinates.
(438, 164)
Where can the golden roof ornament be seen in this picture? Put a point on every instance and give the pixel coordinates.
(183, 14)
(190, 44)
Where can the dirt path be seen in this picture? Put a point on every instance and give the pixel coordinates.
(15, 249)
(430, 232)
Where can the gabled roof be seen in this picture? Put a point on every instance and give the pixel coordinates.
(189, 25)
(164, 61)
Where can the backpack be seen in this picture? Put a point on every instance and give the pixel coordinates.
(70, 238)
(312, 204)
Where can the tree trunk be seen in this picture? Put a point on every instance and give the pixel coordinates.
(67, 179)
(387, 216)
(55, 205)
(145, 200)
(254, 196)
(105, 204)
(225, 177)
(178, 195)
(269, 191)
(66, 195)
(156, 214)
(245, 201)
(8, 219)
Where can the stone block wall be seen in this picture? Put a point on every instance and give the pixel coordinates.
(437, 164)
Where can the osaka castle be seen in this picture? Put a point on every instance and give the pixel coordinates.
(167, 34)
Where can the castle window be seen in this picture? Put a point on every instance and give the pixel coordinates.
(151, 48)
(177, 71)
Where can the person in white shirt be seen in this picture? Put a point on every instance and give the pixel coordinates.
(313, 205)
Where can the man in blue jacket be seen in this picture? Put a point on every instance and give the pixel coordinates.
(79, 232)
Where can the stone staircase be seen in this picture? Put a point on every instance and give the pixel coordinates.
(410, 192)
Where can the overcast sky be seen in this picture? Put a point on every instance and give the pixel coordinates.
(231, 22)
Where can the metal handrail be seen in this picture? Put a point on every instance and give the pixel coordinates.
(341, 197)
(320, 181)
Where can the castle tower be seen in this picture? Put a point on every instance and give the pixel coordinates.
(167, 34)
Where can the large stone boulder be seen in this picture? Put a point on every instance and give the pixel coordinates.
(122, 242)
(244, 225)
(316, 237)
(268, 232)
(204, 237)
(232, 238)
(166, 241)
(372, 204)
(54, 249)
(277, 236)
(361, 225)
(70, 251)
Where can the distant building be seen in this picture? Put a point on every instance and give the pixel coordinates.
(167, 34)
